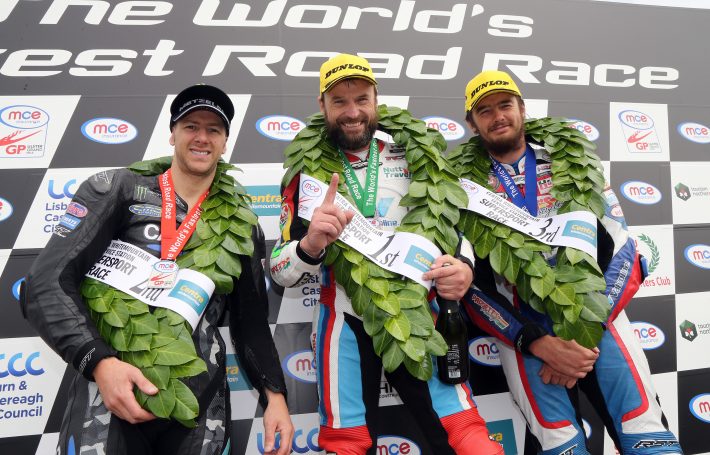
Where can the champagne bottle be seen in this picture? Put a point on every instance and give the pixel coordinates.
(453, 366)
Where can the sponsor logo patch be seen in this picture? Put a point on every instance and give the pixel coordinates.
(77, 210)
(145, 210)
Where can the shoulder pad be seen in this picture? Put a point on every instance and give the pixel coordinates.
(102, 182)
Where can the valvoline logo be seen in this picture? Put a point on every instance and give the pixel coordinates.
(5, 209)
(108, 130)
(698, 255)
(310, 188)
(636, 119)
(484, 350)
(24, 117)
(301, 366)
(396, 445)
(279, 127)
(450, 129)
(649, 335)
(19, 364)
(700, 407)
(641, 192)
(695, 132)
(587, 129)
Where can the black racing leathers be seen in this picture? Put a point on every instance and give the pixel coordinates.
(122, 205)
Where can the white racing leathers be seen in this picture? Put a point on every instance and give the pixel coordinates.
(619, 387)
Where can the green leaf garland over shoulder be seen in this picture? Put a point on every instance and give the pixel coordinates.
(571, 292)
(377, 295)
(148, 340)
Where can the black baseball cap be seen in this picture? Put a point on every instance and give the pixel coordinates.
(202, 97)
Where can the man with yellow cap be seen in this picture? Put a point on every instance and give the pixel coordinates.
(543, 371)
(349, 370)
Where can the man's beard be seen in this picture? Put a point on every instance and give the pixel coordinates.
(337, 136)
(502, 146)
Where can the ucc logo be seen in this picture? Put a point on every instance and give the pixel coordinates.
(18, 366)
(66, 191)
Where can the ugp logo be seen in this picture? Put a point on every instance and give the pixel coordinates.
(682, 191)
(688, 330)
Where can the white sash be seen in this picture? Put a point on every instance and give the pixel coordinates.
(404, 253)
(126, 267)
(574, 229)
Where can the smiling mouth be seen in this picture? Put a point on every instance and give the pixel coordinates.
(199, 152)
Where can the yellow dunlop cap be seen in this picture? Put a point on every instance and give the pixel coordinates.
(344, 66)
(488, 82)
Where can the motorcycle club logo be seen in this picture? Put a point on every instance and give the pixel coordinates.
(682, 191)
(655, 255)
(688, 330)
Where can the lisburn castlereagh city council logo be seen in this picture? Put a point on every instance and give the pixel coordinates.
(688, 330)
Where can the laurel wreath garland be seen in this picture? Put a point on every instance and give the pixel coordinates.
(571, 293)
(160, 342)
(655, 254)
(394, 309)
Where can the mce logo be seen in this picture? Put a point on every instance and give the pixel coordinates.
(109, 130)
(279, 127)
(641, 192)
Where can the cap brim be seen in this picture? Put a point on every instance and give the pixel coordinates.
(491, 92)
(202, 107)
(332, 83)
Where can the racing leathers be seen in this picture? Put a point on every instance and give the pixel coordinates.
(123, 205)
(619, 386)
(349, 372)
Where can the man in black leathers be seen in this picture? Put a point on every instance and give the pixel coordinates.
(102, 415)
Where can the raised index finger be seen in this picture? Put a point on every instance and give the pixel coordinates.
(332, 189)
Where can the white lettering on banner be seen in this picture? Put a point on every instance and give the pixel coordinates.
(127, 268)
(404, 253)
(259, 59)
(574, 229)
(579, 73)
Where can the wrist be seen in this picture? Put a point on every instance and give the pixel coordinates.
(305, 252)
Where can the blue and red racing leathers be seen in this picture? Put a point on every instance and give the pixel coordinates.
(620, 386)
(349, 371)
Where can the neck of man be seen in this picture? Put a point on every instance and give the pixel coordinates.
(189, 186)
(511, 155)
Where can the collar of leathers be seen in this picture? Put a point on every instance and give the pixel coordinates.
(394, 309)
(223, 231)
(571, 293)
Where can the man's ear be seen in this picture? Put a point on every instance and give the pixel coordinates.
(321, 102)
(469, 121)
(172, 138)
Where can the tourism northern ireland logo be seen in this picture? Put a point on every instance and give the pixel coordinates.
(682, 191)
(688, 330)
